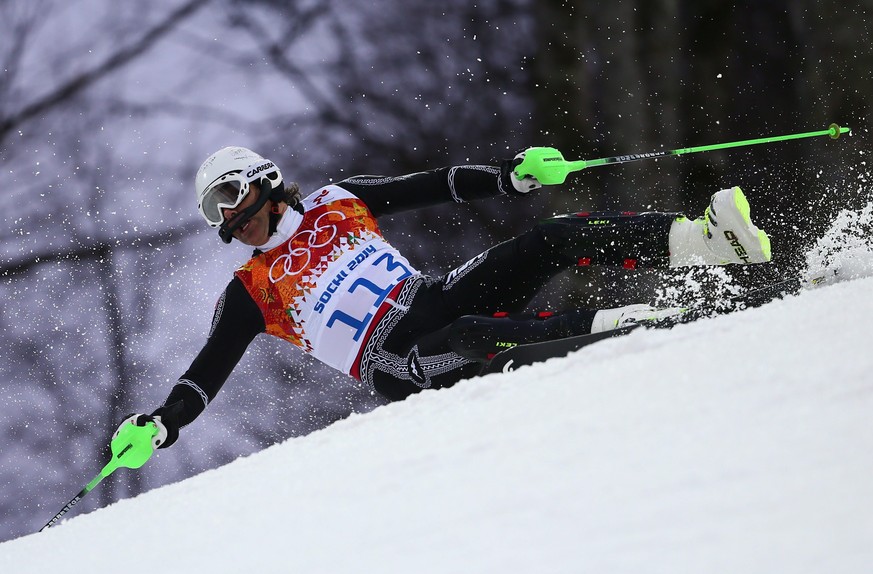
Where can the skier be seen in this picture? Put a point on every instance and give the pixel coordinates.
(323, 277)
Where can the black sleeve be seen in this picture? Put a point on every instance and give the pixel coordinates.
(388, 195)
(236, 322)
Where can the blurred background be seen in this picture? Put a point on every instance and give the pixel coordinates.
(108, 276)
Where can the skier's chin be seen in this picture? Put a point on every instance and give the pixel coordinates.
(249, 234)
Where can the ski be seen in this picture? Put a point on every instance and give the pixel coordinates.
(529, 353)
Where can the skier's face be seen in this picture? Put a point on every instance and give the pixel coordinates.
(257, 230)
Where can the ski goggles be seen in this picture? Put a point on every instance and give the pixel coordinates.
(229, 190)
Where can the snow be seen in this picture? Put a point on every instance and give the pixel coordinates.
(736, 444)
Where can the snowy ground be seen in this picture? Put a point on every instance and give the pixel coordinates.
(741, 444)
(738, 444)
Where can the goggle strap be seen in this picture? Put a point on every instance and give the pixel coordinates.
(225, 231)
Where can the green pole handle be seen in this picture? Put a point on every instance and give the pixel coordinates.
(131, 447)
(549, 167)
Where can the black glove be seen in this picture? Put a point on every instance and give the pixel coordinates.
(169, 417)
(165, 418)
(510, 181)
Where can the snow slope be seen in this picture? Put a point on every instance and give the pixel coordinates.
(737, 444)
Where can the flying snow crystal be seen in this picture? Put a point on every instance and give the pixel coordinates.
(846, 249)
(718, 76)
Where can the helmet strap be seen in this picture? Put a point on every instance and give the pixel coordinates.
(275, 216)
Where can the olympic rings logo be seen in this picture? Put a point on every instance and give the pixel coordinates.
(297, 259)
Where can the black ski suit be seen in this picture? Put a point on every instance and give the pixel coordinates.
(423, 332)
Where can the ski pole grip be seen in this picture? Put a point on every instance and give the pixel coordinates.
(132, 447)
(547, 165)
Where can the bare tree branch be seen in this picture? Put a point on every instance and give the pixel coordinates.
(117, 60)
(101, 249)
(17, 39)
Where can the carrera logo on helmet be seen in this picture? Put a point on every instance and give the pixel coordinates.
(259, 169)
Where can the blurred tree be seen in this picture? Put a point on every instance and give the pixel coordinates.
(107, 108)
(450, 89)
(635, 76)
(58, 258)
(609, 76)
(107, 231)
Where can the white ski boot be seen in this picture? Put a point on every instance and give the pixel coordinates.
(610, 319)
(725, 234)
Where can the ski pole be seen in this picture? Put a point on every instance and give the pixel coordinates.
(131, 448)
(549, 167)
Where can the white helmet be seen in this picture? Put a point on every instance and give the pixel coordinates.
(222, 182)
